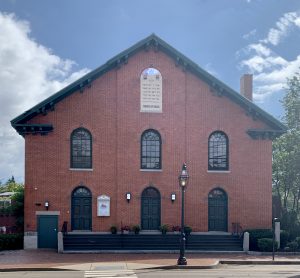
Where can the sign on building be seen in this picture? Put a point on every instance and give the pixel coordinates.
(103, 205)
(151, 91)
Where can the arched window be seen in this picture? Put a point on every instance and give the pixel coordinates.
(81, 149)
(150, 150)
(218, 151)
(151, 91)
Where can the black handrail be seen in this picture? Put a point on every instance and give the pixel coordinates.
(237, 229)
(64, 228)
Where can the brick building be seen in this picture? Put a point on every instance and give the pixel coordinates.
(114, 142)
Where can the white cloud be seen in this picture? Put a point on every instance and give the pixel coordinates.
(209, 68)
(269, 68)
(249, 35)
(282, 29)
(29, 73)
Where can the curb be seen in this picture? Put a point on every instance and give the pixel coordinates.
(16, 269)
(260, 262)
(167, 267)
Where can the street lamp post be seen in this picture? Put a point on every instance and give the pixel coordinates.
(183, 180)
(273, 231)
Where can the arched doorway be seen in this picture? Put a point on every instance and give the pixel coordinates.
(217, 210)
(81, 209)
(150, 209)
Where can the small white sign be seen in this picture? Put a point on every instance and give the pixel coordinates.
(151, 91)
(103, 205)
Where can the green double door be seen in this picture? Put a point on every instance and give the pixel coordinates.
(81, 213)
(217, 211)
(47, 227)
(150, 209)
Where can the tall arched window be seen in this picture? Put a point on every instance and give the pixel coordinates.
(218, 151)
(81, 149)
(150, 150)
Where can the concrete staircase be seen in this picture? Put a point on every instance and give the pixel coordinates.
(97, 242)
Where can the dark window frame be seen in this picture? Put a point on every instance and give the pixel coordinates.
(214, 154)
(147, 154)
(89, 162)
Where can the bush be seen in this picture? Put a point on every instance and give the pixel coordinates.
(164, 229)
(255, 235)
(292, 246)
(284, 237)
(11, 241)
(266, 244)
(298, 241)
(136, 229)
(113, 229)
(187, 230)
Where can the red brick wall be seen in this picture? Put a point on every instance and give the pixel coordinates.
(110, 110)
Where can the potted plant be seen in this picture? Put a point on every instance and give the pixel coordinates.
(176, 229)
(136, 229)
(164, 229)
(113, 229)
(125, 229)
(187, 230)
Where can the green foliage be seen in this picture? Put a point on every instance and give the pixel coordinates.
(11, 186)
(136, 229)
(298, 241)
(284, 238)
(255, 235)
(266, 244)
(286, 161)
(114, 229)
(187, 230)
(293, 246)
(11, 241)
(18, 207)
(164, 228)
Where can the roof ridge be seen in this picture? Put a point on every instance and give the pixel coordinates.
(122, 57)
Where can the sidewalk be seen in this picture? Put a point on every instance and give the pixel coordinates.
(48, 259)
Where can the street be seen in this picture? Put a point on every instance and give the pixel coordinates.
(258, 271)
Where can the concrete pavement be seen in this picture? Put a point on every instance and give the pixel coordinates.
(51, 260)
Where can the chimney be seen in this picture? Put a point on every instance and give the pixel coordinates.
(246, 86)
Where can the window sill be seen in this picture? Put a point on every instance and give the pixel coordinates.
(218, 172)
(81, 169)
(151, 170)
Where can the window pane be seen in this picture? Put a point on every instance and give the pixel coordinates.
(218, 151)
(151, 150)
(81, 149)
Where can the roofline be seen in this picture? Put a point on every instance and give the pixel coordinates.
(122, 58)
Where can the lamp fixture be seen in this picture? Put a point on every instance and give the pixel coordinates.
(47, 205)
(173, 197)
(128, 196)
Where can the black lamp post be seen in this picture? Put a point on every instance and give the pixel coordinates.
(273, 230)
(183, 180)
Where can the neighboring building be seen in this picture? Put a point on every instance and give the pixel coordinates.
(114, 142)
(7, 220)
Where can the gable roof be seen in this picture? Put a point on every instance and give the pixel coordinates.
(181, 60)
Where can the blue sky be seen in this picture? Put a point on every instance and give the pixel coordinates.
(45, 45)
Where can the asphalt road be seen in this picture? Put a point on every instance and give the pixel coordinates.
(258, 271)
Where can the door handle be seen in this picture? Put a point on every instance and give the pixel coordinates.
(54, 230)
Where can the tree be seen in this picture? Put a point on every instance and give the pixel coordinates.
(286, 154)
(18, 207)
(11, 186)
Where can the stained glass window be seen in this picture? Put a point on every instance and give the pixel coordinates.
(218, 151)
(150, 150)
(81, 149)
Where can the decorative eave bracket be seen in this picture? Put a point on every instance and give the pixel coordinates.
(264, 134)
(42, 129)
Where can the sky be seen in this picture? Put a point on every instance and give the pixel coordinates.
(46, 45)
